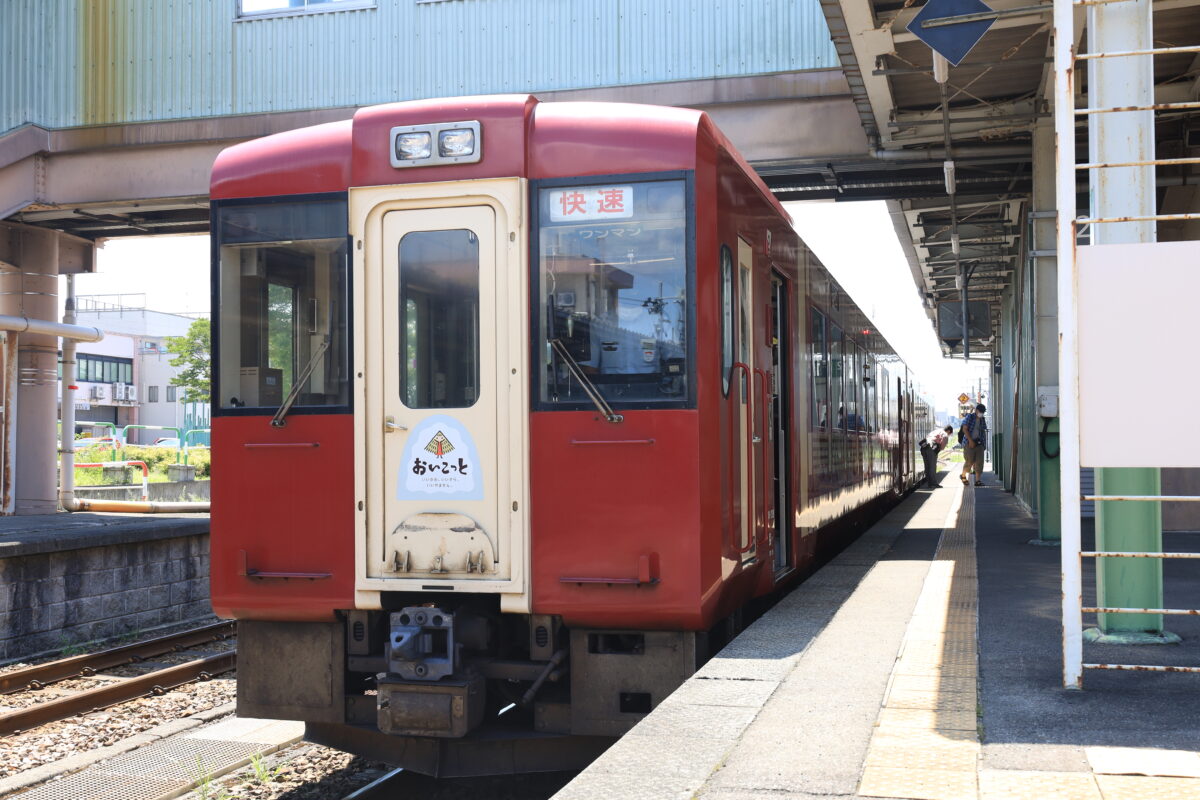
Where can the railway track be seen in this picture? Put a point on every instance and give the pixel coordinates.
(116, 689)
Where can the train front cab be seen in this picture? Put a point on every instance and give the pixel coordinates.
(424, 518)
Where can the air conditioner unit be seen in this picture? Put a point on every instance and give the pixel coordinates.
(131, 393)
(118, 390)
(96, 393)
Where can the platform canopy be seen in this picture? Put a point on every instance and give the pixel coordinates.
(996, 96)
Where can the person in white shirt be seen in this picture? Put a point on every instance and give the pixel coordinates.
(931, 445)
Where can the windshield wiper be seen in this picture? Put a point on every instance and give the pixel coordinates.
(592, 392)
(277, 420)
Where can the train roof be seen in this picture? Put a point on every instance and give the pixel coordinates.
(520, 136)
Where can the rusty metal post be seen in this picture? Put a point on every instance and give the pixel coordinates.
(1123, 137)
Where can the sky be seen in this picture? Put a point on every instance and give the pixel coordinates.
(855, 241)
(171, 271)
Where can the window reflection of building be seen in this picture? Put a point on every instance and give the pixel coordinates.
(614, 293)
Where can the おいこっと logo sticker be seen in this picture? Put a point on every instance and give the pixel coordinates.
(440, 458)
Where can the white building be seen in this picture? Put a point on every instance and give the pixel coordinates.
(125, 379)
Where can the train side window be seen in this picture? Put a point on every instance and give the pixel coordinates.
(837, 401)
(727, 344)
(820, 372)
(439, 308)
(282, 307)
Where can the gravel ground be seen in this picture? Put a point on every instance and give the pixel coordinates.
(85, 732)
(311, 772)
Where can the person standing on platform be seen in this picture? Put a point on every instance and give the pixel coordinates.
(974, 431)
(931, 445)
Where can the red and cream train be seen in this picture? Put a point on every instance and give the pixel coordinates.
(517, 405)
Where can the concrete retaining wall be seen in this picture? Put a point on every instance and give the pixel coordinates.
(168, 491)
(59, 597)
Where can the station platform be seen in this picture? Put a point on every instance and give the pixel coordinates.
(924, 662)
(71, 579)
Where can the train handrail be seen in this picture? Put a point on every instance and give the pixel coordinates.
(762, 418)
(752, 539)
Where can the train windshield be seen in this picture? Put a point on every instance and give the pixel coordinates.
(281, 317)
(613, 293)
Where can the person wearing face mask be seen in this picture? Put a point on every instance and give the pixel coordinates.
(974, 430)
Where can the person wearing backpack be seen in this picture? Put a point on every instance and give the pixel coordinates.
(974, 438)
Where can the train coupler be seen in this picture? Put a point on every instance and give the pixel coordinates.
(445, 709)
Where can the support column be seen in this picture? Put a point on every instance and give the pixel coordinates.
(1044, 286)
(31, 260)
(1124, 191)
(31, 290)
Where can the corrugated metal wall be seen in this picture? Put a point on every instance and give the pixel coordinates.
(38, 62)
(86, 62)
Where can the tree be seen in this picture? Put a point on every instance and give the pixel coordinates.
(193, 352)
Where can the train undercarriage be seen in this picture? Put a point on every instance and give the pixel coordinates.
(457, 689)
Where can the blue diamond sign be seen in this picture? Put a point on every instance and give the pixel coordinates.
(952, 42)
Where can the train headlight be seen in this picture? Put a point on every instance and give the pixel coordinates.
(456, 143)
(414, 145)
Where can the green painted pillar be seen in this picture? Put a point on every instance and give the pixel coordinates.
(1119, 192)
(1049, 483)
(1129, 582)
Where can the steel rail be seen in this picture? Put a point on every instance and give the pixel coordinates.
(124, 690)
(379, 788)
(40, 675)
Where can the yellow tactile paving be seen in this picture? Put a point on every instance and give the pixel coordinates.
(924, 718)
(940, 701)
(932, 683)
(944, 755)
(1003, 784)
(919, 784)
(1141, 787)
(925, 745)
(920, 737)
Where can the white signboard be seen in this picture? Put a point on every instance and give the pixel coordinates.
(1137, 311)
(591, 203)
(440, 460)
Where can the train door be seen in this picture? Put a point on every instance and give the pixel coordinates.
(779, 404)
(901, 447)
(749, 441)
(440, 344)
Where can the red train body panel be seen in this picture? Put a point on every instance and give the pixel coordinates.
(687, 412)
(311, 463)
